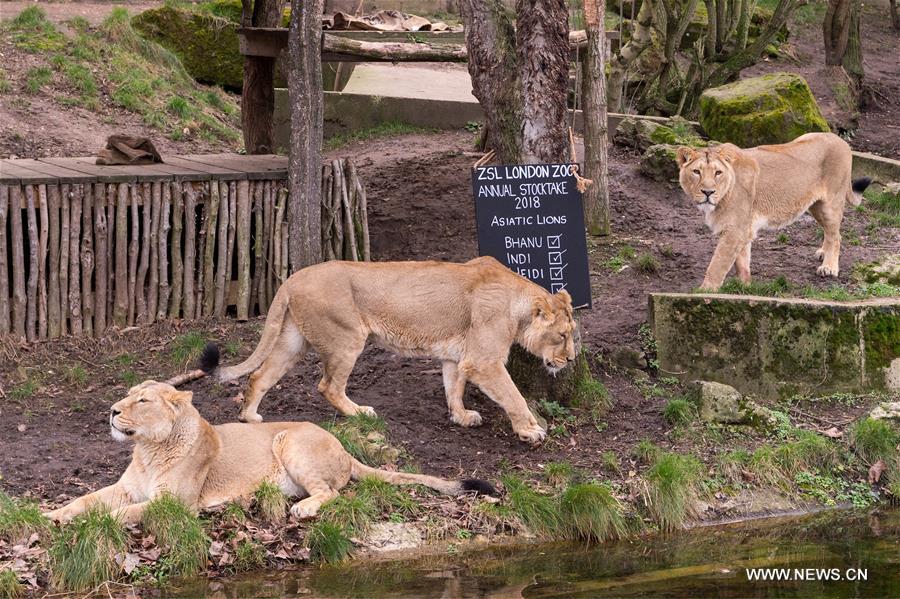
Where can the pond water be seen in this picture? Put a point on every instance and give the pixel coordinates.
(862, 549)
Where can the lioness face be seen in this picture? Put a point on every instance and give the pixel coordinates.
(148, 412)
(551, 335)
(706, 175)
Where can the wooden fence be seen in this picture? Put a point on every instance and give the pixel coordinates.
(85, 247)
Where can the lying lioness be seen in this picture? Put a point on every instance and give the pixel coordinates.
(741, 192)
(176, 451)
(467, 315)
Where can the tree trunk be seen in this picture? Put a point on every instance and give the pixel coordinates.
(258, 98)
(542, 43)
(4, 267)
(596, 197)
(307, 112)
(853, 57)
(836, 30)
(640, 41)
(494, 68)
(895, 15)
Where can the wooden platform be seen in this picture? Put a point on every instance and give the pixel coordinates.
(195, 167)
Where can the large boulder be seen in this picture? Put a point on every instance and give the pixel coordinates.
(207, 45)
(770, 109)
(658, 162)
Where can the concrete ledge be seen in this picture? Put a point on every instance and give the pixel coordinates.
(777, 347)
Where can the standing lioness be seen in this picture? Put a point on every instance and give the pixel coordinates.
(467, 315)
(741, 192)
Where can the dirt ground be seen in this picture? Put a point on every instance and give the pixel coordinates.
(55, 442)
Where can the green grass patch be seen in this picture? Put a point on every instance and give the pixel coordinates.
(353, 432)
(611, 462)
(19, 519)
(591, 393)
(670, 485)
(353, 512)
(389, 129)
(327, 542)
(249, 555)
(25, 389)
(5, 85)
(32, 32)
(385, 497)
(83, 553)
(883, 207)
(10, 587)
(271, 502)
(646, 264)
(774, 288)
(75, 375)
(680, 411)
(589, 512)
(129, 378)
(646, 451)
(187, 348)
(37, 77)
(179, 531)
(537, 511)
(234, 514)
(624, 256)
(875, 440)
(559, 474)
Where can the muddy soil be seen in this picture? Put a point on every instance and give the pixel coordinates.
(54, 441)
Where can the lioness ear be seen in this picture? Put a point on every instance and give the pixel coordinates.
(542, 308)
(728, 152)
(179, 399)
(564, 296)
(684, 154)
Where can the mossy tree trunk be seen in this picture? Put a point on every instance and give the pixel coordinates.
(521, 80)
(307, 113)
(640, 41)
(596, 197)
(258, 98)
(895, 15)
(843, 50)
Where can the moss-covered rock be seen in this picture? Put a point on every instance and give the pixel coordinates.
(883, 270)
(206, 44)
(769, 109)
(658, 162)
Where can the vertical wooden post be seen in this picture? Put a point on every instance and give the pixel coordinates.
(256, 188)
(243, 249)
(164, 289)
(102, 258)
(112, 199)
(222, 250)
(31, 306)
(54, 326)
(190, 248)
(120, 309)
(87, 259)
(44, 212)
(277, 239)
(177, 259)
(77, 192)
(266, 290)
(134, 192)
(4, 266)
(18, 261)
(153, 284)
(212, 219)
(232, 234)
(144, 263)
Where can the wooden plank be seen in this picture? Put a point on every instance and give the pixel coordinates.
(110, 174)
(13, 174)
(256, 167)
(60, 174)
(178, 172)
(218, 173)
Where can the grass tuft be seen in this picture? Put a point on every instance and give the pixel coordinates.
(538, 512)
(353, 433)
(589, 512)
(19, 519)
(177, 528)
(353, 512)
(646, 264)
(671, 483)
(646, 451)
(10, 587)
(37, 77)
(775, 288)
(385, 497)
(327, 542)
(591, 393)
(875, 440)
(679, 411)
(271, 503)
(249, 555)
(188, 347)
(559, 474)
(83, 554)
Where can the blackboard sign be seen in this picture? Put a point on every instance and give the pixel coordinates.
(530, 218)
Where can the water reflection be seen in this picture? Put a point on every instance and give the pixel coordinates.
(698, 563)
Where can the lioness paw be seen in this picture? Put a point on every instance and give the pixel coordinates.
(304, 512)
(533, 434)
(469, 418)
(367, 410)
(250, 417)
(827, 270)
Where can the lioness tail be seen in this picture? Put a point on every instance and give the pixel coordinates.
(448, 487)
(209, 360)
(857, 187)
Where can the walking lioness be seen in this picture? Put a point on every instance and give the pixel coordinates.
(176, 451)
(741, 192)
(467, 315)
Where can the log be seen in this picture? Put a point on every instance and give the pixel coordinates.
(337, 177)
(120, 306)
(4, 263)
(285, 245)
(112, 194)
(360, 211)
(351, 251)
(177, 263)
(327, 215)
(394, 51)
(268, 256)
(18, 262)
(42, 261)
(232, 232)
(200, 269)
(53, 311)
(190, 248)
(31, 306)
(63, 265)
(87, 260)
(276, 241)
(212, 220)
(133, 246)
(258, 267)
(101, 255)
(243, 249)
(164, 289)
(144, 263)
(153, 283)
(221, 249)
(77, 193)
